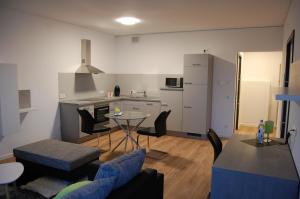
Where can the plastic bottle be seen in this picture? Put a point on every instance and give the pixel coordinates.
(260, 133)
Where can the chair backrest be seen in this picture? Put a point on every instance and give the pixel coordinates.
(160, 122)
(215, 142)
(87, 121)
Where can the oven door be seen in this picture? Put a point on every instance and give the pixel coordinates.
(99, 113)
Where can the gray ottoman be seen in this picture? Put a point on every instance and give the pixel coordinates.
(55, 158)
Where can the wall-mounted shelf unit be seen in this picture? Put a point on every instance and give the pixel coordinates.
(287, 94)
(292, 93)
(26, 110)
(25, 101)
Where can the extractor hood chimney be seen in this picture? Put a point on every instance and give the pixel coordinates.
(86, 67)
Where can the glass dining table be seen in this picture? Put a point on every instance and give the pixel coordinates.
(128, 116)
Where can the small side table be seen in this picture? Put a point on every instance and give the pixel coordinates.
(10, 172)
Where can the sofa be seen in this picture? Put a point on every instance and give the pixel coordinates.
(148, 184)
(73, 162)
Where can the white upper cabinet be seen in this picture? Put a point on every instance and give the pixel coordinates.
(195, 69)
(9, 100)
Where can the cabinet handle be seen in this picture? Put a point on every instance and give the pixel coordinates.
(149, 104)
(164, 104)
(187, 107)
(135, 108)
(196, 64)
(187, 82)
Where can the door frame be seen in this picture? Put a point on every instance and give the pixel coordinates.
(285, 109)
(237, 91)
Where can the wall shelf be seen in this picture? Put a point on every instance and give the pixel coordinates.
(25, 101)
(287, 94)
(26, 110)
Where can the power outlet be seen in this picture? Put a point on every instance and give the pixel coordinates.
(293, 131)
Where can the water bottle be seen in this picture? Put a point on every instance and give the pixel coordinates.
(260, 133)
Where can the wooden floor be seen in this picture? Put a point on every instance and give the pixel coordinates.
(250, 130)
(187, 166)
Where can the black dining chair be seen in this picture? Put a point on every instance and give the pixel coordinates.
(88, 125)
(159, 129)
(215, 142)
(217, 145)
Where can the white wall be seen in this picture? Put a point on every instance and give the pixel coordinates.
(259, 67)
(254, 102)
(42, 48)
(293, 22)
(163, 53)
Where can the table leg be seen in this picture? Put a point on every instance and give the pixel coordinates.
(128, 135)
(7, 191)
(119, 143)
(126, 143)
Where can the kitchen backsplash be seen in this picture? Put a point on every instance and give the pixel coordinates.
(78, 86)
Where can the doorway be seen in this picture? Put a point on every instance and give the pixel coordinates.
(257, 74)
(286, 104)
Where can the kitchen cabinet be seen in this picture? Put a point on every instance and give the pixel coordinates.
(194, 109)
(71, 122)
(9, 101)
(197, 94)
(152, 108)
(90, 109)
(172, 100)
(196, 69)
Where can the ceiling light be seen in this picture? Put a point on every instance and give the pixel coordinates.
(128, 21)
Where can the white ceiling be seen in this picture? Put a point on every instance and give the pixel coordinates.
(159, 15)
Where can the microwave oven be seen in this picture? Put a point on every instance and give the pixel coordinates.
(174, 82)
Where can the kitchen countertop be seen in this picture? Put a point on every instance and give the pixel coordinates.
(82, 102)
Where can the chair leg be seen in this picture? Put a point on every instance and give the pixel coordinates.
(148, 142)
(109, 139)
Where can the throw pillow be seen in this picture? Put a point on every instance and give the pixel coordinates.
(97, 189)
(123, 168)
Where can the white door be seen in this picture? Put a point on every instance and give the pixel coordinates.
(195, 108)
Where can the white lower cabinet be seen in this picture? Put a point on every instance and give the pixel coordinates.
(152, 108)
(172, 100)
(195, 109)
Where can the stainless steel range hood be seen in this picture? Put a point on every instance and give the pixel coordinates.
(86, 67)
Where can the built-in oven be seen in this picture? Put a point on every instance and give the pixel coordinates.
(100, 109)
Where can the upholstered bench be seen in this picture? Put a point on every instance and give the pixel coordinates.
(55, 158)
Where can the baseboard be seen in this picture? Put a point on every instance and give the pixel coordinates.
(186, 135)
(248, 124)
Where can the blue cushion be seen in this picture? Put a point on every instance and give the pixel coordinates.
(97, 189)
(124, 168)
